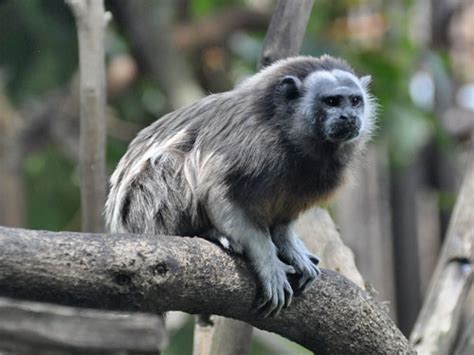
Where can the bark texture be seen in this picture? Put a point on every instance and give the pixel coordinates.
(158, 274)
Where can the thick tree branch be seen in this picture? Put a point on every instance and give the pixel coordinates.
(158, 274)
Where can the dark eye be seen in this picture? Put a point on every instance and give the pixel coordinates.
(332, 101)
(356, 100)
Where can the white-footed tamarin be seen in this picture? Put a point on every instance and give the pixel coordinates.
(240, 166)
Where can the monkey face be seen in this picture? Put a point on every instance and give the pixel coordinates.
(339, 112)
(330, 106)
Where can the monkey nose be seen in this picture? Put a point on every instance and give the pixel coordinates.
(348, 118)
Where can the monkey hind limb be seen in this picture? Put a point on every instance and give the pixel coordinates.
(159, 200)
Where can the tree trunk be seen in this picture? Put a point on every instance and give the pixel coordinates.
(91, 21)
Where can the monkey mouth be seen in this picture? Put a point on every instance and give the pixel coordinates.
(343, 132)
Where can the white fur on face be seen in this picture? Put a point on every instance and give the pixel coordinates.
(340, 80)
(369, 102)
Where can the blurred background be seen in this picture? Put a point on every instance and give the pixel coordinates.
(164, 54)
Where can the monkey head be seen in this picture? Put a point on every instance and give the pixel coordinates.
(326, 106)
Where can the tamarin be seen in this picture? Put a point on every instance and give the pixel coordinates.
(239, 167)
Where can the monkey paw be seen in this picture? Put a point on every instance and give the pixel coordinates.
(276, 290)
(307, 270)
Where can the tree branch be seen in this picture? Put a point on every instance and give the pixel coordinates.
(286, 31)
(158, 274)
(62, 330)
(436, 328)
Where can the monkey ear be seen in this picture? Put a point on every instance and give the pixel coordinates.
(290, 87)
(366, 80)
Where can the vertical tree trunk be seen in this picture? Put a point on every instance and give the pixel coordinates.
(91, 21)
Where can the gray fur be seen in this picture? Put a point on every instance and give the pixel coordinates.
(240, 166)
